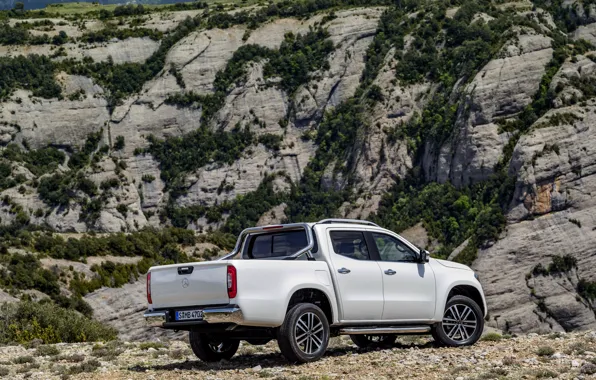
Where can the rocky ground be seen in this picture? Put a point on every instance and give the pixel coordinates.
(558, 355)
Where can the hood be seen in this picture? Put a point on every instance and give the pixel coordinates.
(452, 264)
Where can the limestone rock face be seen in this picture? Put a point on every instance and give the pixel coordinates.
(500, 90)
(120, 51)
(556, 180)
(63, 122)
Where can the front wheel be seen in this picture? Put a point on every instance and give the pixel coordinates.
(462, 323)
(209, 350)
(304, 335)
(373, 341)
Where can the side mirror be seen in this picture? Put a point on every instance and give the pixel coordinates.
(424, 256)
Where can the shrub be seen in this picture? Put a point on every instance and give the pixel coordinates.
(25, 321)
(148, 178)
(271, 141)
(108, 351)
(23, 359)
(47, 350)
(119, 143)
(545, 351)
(587, 289)
(89, 366)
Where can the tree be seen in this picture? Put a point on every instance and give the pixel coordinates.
(19, 6)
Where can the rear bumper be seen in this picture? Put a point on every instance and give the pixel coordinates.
(163, 318)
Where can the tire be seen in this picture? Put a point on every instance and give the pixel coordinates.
(373, 341)
(304, 335)
(212, 351)
(462, 323)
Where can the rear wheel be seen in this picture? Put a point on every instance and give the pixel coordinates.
(209, 350)
(304, 335)
(462, 323)
(373, 341)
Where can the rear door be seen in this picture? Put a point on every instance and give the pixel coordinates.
(408, 285)
(357, 277)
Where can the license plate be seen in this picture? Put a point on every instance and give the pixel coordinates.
(189, 314)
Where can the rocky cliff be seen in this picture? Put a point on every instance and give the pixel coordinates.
(492, 102)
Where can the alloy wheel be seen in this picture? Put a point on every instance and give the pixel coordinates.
(309, 333)
(219, 347)
(459, 322)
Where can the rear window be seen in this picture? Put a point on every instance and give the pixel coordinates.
(279, 244)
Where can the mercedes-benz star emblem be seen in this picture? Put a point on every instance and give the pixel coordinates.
(185, 282)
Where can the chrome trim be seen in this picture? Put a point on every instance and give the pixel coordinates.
(384, 330)
(265, 229)
(155, 318)
(223, 315)
(213, 315)
(349, 221)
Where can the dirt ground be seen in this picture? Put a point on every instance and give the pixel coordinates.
(563, 356)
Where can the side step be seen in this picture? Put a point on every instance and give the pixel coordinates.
(385, 330)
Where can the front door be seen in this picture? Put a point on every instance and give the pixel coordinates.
(358, 278)
(408, 284)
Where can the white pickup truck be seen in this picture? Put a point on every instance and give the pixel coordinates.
(303, 283)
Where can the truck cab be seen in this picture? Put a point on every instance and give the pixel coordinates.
(302, 283)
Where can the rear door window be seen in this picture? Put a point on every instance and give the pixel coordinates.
(351, 244)
(280, 244)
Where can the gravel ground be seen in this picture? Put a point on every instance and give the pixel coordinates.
(563, 356)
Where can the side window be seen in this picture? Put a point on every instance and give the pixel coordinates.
(392, 249)
(350, 244)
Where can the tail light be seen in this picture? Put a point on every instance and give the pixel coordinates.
(149, 300)
(232, 282)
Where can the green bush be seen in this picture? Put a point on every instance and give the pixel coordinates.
(25, 321)
(587, 289)
(34, 73)
(119, 143)
(271, 141)
(47, 350)
(545, 351)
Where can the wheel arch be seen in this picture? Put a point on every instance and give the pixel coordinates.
(469, 291)
(315, 296)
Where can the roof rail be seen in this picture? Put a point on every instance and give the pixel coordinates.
(352, 221)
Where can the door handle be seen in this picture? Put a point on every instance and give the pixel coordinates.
(390, 272)
(344, 270)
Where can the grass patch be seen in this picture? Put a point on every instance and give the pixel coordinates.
(492, 337)
(4, 371)
(147, 345)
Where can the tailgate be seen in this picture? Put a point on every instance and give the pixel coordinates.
(190, 284)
